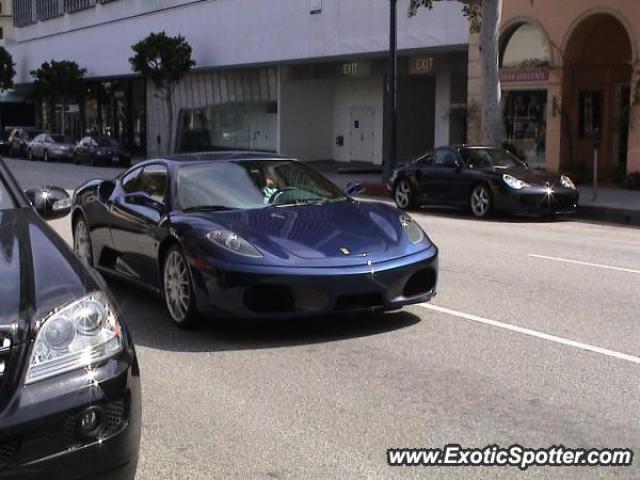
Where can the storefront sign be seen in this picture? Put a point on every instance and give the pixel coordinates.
(524, 75)
(421, 65)
(354, 69)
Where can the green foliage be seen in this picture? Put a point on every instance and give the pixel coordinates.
(59, 80)
(162, 59)
(7, 69)
(472, 9)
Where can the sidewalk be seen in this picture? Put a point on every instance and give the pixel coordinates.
(611, 205)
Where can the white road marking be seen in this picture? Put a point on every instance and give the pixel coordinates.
(534, 333)
(588, 264)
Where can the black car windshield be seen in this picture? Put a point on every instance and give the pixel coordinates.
(61, 138)
(6, 201)
(105, 142)
(251, 184)
(489, 157)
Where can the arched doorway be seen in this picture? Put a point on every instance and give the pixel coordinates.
(525, 57)
(595, 100)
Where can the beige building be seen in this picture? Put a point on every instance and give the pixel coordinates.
(6, 21)
(569, 70)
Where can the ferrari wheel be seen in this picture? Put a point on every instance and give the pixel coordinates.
(403, 195)
(480, 201)
(177, 290)
(82, 242)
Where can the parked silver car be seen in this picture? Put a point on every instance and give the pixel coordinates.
(51, 146)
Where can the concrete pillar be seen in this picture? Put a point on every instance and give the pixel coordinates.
(443, 102)
(633, 150)
(553, 151)
(474, 91)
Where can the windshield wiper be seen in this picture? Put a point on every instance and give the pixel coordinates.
(302, 202)
(207, 208)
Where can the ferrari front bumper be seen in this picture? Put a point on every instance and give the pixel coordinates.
(282, 292)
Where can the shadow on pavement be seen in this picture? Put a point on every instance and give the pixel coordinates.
(151, 327)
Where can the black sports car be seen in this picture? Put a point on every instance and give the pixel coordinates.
(69, 378)
(101, 150)
(251, 235)
(483, 179)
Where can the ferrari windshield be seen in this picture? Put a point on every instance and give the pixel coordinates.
(489, 157)
(250, 184)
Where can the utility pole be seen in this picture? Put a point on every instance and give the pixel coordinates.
(389, 163)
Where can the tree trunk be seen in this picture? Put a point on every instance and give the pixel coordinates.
(169, 98)
(491, 116)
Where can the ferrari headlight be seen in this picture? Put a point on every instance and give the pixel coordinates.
(412, 229)
(567, 183)
(78, 335)
(513, 182)
(234, 243)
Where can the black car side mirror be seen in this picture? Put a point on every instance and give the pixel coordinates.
(50, 202)
(355, 188)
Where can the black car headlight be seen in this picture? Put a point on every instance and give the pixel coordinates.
(76, 336)
(514, 182)
(567, 182)
(234, 243)
(414, 233)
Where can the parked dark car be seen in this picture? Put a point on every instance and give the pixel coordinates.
(19, 141)
(483, 179)
(69, 378)
(51, 146)
(245, 234)
(4, 142)
(101, 150)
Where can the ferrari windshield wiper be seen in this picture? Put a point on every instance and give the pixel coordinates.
(206, 208)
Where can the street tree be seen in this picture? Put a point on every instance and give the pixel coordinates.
(59, 82)
(7, 69)
(165, 61)
(484, 17)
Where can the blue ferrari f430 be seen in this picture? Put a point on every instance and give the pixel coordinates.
(251, 235)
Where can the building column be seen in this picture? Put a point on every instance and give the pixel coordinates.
(553, 152)
(633, 147)
(474, 91)
(443, 103)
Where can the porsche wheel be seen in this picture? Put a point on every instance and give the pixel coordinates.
(480, 201)
(177, 290)
(403, 195)
(82, 242)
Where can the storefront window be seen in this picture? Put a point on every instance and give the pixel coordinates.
(526, 125)
(233, 126)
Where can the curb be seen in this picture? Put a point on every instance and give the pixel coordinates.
(619, 216)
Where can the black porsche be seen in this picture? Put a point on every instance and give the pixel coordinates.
(69, 378)
(482, 179)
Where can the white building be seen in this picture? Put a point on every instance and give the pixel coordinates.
(301, 77)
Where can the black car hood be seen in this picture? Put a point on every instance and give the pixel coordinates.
(532, 177)
(38, 272)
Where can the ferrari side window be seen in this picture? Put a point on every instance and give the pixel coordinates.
(130, 181)
(153, 182)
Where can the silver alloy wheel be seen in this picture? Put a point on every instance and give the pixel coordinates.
(403, 194)
(177, 291)
(480, 201)
(82, 242)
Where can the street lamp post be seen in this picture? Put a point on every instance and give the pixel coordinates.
(392, 92)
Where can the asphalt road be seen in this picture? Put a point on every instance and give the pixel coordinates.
(325, 398)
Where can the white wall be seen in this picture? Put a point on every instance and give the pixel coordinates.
(306, 119)
(231, 32)
(357, 93)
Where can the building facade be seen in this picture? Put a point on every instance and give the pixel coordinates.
(569, 76)
(305, 78)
